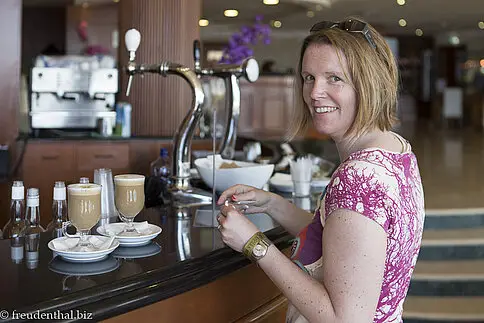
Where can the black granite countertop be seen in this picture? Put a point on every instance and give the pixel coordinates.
(184, 256)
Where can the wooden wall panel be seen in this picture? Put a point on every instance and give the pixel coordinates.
(168, 28)
(10, 33)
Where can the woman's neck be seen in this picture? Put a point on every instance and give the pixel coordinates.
(346, 146)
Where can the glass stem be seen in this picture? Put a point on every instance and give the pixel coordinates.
(83, 241)
(130, 225)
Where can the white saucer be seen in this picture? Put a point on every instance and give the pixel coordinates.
(60, 266)
(83, 256)
(283, 182)
(131, 241)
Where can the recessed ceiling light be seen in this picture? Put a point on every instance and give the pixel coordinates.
(401, 2)
(318, 7)
(116, 1)
(231, 13)
(481, 24)
(270, 2)
(419, 32)
(454, 40)
(481, 62)
(402, 22)
(203, 22)
(277, 24)
(310, 14)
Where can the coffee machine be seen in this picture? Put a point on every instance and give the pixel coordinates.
(72, 92)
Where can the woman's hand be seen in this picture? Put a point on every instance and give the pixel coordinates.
(238, 193)
(235, 228)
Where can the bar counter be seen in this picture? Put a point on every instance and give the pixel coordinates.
(184, 257)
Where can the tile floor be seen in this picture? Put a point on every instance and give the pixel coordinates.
(451, 162)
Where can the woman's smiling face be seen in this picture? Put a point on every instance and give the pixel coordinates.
(328, 94)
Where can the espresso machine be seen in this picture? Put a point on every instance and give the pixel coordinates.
(72, 92)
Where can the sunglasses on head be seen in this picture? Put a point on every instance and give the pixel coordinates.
(350, 25)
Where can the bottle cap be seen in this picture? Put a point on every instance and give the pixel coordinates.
(33, 197)
(59, 191)
(163, 152)
(18, 190)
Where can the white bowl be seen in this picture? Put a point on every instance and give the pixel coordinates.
(251, 174)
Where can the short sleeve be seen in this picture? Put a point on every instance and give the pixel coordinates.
(365, 188)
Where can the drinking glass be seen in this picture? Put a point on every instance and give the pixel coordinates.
(129, 192)
(104, 177)
(84, 211)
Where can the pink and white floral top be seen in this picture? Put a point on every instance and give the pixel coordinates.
(385, 187)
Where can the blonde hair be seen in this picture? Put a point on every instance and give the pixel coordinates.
(373, 73)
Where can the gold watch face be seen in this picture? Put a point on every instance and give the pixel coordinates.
(259, 250)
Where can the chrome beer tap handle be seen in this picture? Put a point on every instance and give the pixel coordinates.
(132, 40)
(230, 73)
(249, 69)
(181, 190)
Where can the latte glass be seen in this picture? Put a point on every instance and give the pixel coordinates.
(129, 196)
(84, 211)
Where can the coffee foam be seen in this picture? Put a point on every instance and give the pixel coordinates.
(84, 189)
(129, 179)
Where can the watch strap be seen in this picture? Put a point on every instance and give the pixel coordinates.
(257, 238)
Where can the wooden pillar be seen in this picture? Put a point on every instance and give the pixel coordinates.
(168, 29)
(10, 58)
(10, 34)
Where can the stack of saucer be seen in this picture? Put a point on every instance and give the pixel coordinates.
(145, 232)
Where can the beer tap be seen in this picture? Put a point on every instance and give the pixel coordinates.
(181, 190)
(230, 73)
(132, 40)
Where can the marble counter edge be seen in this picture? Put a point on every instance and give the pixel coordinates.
(150, 287)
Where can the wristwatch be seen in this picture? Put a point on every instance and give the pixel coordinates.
(256, 247)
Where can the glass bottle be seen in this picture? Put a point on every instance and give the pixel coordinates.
(17, 249)
(161, 171)
(59, 210)
(161, 167)
(84, 180)
(33, 212)
(16, 225)
(34, 229)
(32, 242)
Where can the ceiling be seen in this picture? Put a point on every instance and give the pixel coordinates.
(438, 18)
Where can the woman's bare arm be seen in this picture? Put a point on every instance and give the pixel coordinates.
(292, 218)
(354, 250)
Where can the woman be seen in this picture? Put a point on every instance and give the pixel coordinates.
(353, 260)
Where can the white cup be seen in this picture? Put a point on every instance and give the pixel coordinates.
(301, 188)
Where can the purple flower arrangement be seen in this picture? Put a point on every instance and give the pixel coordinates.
(238, 46)
(89, 49)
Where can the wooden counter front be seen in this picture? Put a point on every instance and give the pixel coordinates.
(246, 295)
